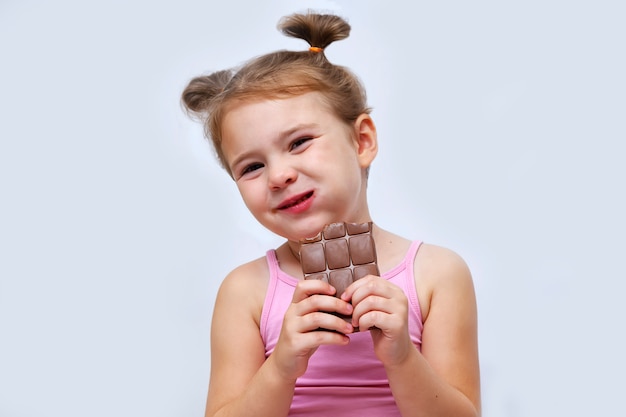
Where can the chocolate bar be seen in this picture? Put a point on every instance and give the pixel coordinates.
(340, 254)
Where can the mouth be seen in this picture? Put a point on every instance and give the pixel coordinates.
(292, 202)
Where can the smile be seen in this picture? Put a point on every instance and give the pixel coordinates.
(295, 202)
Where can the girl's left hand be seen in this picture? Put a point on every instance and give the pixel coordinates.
(381, 307)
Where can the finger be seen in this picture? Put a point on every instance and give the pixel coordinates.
(387, 314)
(326, 323)
(369, 304)
(370, 285)
(306, 288)
(369, 320)
(320, 337)
(325, 303)
(349, 291)
(388, 323)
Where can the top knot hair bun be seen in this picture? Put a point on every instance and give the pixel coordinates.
(319, 30)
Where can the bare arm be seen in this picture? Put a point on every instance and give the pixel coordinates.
(443, 379)
(243, 382)
(240, 375)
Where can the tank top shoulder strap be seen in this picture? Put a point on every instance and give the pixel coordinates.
(409, 258)
(272, 263)
(409, 262)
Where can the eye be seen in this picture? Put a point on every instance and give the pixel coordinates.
(251, 168)
(299, 142)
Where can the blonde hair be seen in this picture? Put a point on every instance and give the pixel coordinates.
(280, 74)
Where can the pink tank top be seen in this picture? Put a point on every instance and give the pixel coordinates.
(340, 381)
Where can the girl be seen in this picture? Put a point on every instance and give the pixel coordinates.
(295, 134)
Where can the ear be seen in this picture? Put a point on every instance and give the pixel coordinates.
(366, 140)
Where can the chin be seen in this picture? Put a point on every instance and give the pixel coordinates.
(300, 232)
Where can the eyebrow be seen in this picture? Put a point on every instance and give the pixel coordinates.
(294, 129)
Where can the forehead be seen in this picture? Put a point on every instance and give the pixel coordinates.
(312, 100)
(261, 115)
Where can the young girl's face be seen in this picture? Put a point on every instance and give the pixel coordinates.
(296, 164)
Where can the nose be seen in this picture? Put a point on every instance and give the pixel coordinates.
(281, 175)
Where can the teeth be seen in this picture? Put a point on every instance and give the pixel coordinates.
(298, 201)
(295, 202)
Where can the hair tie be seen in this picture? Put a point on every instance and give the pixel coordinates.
(316, 49)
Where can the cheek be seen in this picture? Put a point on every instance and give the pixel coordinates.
(338, 158)
(247, 194)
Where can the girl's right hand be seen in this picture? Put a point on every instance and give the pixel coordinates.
(307, 325)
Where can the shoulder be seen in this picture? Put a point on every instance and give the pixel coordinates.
(433, 259)
(244, 288)
(450, 333)
(237, 350)
(441, 273)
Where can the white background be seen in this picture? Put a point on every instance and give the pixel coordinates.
(501, 127)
